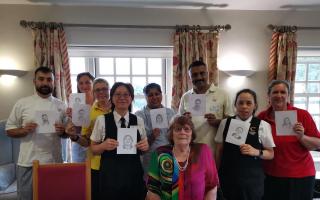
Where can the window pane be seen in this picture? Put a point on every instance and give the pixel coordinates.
(300, 88)
(155, 66)
(139, 83)
(314, 105)
(301, 72)
(110, 80)
(74, 84)
(157, 80)
(316, 119)
(300, 102)
(106, 66)
(314, 72)
(139, 66)
(77, 65)
(313, 87)
(138, 104)
(122, 66)
(125, 79)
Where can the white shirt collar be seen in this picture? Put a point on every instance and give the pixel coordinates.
(117, 117)
(247, 120)
(211, 89)
(38, 97)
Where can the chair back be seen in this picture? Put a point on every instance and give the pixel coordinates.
(63, 181)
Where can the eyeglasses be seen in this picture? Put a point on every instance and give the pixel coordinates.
(101, 90)
(124, 95)
(185, 129)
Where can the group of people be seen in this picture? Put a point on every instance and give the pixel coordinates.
(188, 160)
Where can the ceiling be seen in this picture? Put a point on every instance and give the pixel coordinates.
(184, 4)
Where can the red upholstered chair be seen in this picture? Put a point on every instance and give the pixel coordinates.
(61, 181)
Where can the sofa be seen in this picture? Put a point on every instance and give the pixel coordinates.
(9, 149)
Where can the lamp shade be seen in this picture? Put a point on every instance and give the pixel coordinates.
(13, 72)
(246, 72)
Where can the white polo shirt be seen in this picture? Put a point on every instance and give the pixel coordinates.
(36, 146)
(217, 103)
(99, 132)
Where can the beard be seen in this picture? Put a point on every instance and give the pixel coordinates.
(44, 90)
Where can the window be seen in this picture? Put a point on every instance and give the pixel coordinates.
(136, 65)
(307, 90)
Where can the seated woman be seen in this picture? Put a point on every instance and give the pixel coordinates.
(156, 136)
(121, 175)
(183, 170)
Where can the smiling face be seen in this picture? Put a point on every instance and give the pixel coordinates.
(245, 105)
(182, 135)
(101, 91)
(278, 97)
(44, 83)
(85, 84)
(199, 77)
(154, 98)
(121, 98)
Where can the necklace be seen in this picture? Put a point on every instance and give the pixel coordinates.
(184, 167)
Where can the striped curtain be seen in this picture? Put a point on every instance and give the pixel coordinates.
(283, 58)
(50, 49)
(188, 47)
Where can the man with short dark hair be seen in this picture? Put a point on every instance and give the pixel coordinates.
(218, 104)
(45, 147)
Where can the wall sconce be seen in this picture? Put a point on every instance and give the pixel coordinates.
(13, 72)
(245, 73)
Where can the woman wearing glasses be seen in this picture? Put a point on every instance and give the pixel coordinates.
(100, 107)
(183, 170)
(121, 175)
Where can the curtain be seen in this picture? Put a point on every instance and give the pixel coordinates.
(283, 58)
(50, 49)
(188, 47)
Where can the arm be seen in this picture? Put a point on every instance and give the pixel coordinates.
(218, 154)
(21, 132)
(107, 145)
(309, 142)
(247, 149)
(211, 194)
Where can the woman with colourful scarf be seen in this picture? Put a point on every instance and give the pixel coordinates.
(183, 170)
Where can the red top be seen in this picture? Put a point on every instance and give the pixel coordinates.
(291, 158)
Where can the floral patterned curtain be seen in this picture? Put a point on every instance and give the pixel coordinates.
(188, 47)
(50, 49)
(283, 57)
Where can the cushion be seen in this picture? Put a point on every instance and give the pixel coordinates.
(7, 175)
(5, 145)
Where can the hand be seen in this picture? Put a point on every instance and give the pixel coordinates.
(109, 144)
(29, 128)
(59, 128)
(212, 120)
(299, 129)
(187, 114)
(70, 129)
(247, 149)
(155, 133)
(143, 144)
(69, 112)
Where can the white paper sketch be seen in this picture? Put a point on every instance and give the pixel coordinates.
(197, 104)
(238, 132)
(127, 138)
(159, 118)
(77, 98)
(285, 121)
(80, 115)
(46, 120)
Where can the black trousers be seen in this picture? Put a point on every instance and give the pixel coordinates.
(95, 184)
(279, 188)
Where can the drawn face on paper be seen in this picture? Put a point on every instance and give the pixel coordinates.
(77, 100)
(237, 133)
(127, 142)
(45, 120)
(159, 119)
(286, 123)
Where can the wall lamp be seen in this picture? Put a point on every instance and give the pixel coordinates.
(246, 72)
(13, 72)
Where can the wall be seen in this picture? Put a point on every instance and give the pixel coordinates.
(247, 43)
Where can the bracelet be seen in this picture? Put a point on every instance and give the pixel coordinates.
(75, 139)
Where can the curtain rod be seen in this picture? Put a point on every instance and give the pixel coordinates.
(226, 27)
(292, 28)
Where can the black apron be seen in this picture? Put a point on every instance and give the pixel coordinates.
(121, 176)
(241, 176)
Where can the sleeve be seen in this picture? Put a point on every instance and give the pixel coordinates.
(15, 117)
(265, 134)
(141, 127)
(309, 124)
(219, 135)
(153, 183)
(211, 180)
(98, 132)
(182, 109)
(228, 109)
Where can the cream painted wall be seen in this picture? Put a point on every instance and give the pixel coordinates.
(248, 38)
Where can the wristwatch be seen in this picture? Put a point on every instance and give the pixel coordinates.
(260, 153)
(75, 139)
